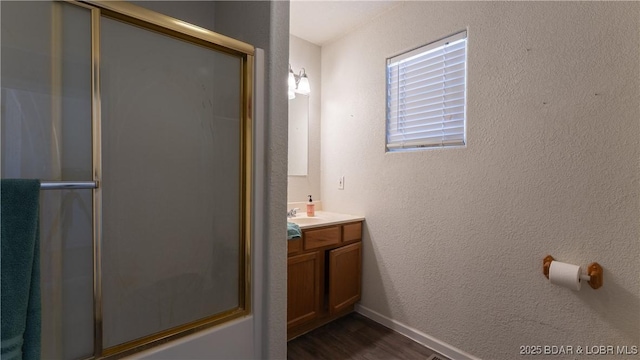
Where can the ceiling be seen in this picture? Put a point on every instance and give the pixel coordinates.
(321, 22)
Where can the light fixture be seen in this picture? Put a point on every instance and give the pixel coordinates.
(292, 84)
(303, 84)
(298, 83)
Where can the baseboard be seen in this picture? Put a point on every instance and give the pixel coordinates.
(416, 335)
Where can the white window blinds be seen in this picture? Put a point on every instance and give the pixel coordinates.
(426, 91)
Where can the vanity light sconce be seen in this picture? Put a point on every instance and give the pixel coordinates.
(298, 83)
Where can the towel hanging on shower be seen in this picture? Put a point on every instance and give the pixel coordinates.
(20, 269)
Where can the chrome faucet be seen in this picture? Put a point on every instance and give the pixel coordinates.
(292, 213)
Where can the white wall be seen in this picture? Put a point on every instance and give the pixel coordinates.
(455, 238)
(303, 54)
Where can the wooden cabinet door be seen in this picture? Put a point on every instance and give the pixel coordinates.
(303, 288)
(345, 276)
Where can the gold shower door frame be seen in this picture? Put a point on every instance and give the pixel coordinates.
(147, 19)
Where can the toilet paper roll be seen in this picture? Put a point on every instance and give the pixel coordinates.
(563, 274)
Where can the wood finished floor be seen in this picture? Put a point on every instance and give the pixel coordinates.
(356, 337)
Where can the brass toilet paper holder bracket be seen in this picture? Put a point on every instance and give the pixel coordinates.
(594, 271)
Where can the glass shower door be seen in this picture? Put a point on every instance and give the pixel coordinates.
(155, 114)
(171, 163)
(46, 134)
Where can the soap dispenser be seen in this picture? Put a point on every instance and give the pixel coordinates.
(311, 208)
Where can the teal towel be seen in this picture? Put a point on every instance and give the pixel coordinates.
(293, 231)
(20, 269)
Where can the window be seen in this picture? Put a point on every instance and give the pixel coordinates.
(426, 95)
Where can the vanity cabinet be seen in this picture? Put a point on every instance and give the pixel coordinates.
(324, 271)
(345, 273)
(303, 288)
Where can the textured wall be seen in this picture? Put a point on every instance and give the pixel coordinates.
(276, 330)
(303, 54)
(265, 24)
(454, 238)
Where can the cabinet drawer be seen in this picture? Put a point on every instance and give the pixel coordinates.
(352, 232)
(321, 237)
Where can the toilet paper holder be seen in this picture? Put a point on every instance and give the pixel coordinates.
(594, 272)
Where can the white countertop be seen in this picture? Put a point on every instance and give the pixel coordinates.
(323, 218)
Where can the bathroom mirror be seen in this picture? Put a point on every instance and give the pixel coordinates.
(298, 135)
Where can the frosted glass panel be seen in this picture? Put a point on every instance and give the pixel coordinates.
(46, 134)
(171, 182)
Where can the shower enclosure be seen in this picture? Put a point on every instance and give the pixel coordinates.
(151, 117)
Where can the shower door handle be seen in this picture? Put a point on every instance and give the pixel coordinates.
(68, 185)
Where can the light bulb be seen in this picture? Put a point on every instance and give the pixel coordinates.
(292, 81)
(303, 86)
